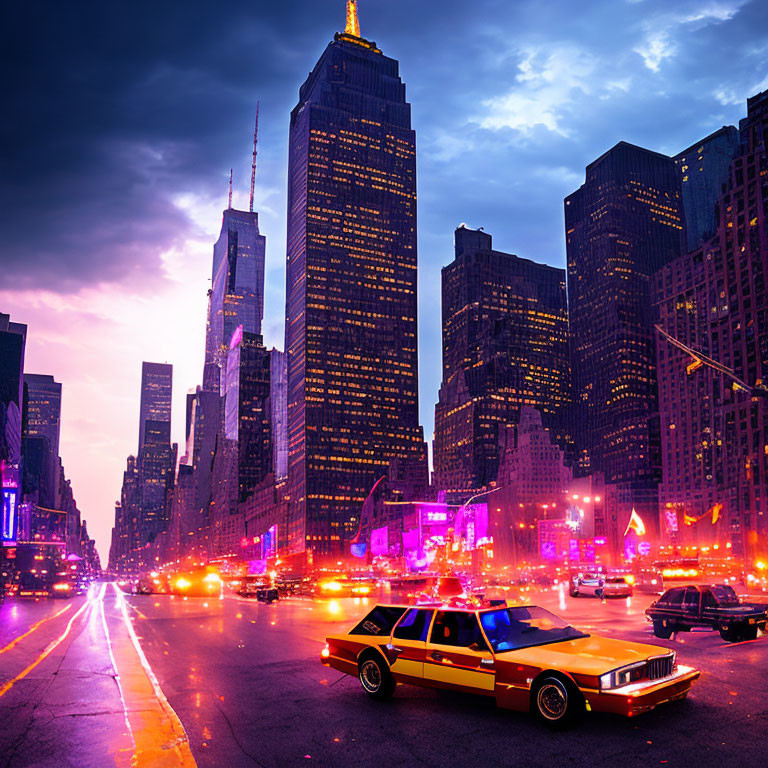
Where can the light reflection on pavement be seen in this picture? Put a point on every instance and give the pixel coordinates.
(245, 681)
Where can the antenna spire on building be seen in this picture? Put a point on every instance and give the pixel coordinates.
(229, 206)
(353, 24)
(253, 164)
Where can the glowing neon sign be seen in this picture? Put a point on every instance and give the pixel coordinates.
(10, 519)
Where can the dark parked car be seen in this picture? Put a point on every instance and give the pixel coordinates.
(715, 606)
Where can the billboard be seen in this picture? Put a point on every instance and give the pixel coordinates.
(9, 510)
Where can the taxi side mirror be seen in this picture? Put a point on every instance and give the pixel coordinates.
(475, 647)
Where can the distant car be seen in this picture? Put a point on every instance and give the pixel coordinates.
(259, 587)
(524, 656)
(197, 583)
(716, 606)
(599, 585)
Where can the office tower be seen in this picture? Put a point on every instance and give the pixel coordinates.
(42, 409)
(207, 418)
(278, 388)
(247, 409)
(155, 459)
(351, 335)
(156, 391)
(622, 225)
(505, 346)
(13, 337)
(714, 419)
(703, 168)
(237, 292)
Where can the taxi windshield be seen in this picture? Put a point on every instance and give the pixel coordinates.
(508, 629)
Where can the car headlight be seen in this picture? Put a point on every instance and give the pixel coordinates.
(622, 676)
(183, 583)
(212, 578)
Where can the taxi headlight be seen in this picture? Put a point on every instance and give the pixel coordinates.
(622, 676)
(331, 586)
(183, 583)
(212, 578)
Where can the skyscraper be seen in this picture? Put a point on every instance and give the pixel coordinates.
(505, 346)
(237, 291)
(704, 169)
(278, 388)
(351, 334)
(247, 409)
(42, 408)
(156, 392)
(714, 422)
(622, 224)
(155, 458)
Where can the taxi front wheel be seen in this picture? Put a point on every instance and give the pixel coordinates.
(375, 677)
(557, 702)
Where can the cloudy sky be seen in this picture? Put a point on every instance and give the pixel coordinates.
(122, 120)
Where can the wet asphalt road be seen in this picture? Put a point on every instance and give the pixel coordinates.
(245, 680)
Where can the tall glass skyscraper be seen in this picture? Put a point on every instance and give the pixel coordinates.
(156, 390)
(704, 169)
(351, 334)
(237, 290)
(505, 346)
(155, 457)
(42, 409)
(622, 224)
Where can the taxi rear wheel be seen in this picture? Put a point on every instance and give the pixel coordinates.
(375, 677)
(557, 702)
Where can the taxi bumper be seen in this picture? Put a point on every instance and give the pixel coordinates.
(638, 698)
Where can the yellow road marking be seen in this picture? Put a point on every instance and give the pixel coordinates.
(50, 648)
(159, 736)
(35, 626)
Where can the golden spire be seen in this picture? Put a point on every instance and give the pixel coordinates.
(353, 24)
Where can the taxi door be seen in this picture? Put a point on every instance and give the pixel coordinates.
(457, 654)
(407, 647)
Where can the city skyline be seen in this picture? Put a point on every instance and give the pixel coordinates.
(97, 322)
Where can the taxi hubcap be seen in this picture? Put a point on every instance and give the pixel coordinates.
(552, 701)
(370, 676)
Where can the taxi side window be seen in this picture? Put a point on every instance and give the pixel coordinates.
(379, 621)
(414, 625)
(459, 628)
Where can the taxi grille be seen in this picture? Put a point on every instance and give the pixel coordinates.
(661, 666)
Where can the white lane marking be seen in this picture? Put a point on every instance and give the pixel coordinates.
(114, 667)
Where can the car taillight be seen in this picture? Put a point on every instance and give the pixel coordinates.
(326, 652)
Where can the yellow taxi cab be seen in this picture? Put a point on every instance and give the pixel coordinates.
(524, 656)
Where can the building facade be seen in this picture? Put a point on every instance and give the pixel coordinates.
(247, 409)
(42, 409)
(704, 168)
(278, 396)
(237, 290)
(156, 456)
(505, 347)
(622, 225)
(714, 418)
(351, 332)
(156, 393)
